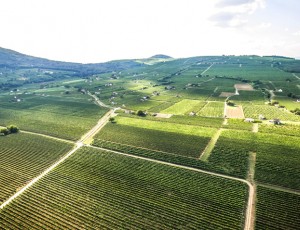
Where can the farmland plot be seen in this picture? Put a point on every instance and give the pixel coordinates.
(181, 144)
(277, 209)
(212, 109)
(277, 160)
(52, 116)
(269, 112)
(184, 107)
(25, 156)
(101, 190)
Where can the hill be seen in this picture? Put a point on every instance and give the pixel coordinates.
(15, 60)
(161, 56)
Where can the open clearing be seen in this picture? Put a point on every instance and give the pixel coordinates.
(234, 112)
(226, 94)
(246, 87)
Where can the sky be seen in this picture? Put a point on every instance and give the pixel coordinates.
(91, 31)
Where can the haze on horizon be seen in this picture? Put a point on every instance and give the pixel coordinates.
(101, 30)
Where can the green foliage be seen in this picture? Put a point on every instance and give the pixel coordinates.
(13, 129)
(106, 190)
(277, 209)
(61, 117)
(181, 144)
(25, 156)
(4, 131)
(232, 154)
(212, 109)
(141, 113)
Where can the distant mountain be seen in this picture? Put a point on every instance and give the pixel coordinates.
(13, 59)
(161, 56)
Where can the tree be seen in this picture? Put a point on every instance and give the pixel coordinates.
(230, 103)
(112, 119)
(141, 113)
(4, 131)
(13, 129)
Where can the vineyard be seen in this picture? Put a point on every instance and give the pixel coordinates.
(212, 109)
(25, 156)
(103, 190)
(166, 126)
(277, 160)
(277, 209)
(231, 152)
(66, 119)
(181, 144)
(269, 112)
(151, 171)
(184, 107)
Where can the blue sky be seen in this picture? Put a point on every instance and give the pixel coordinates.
(101, 30)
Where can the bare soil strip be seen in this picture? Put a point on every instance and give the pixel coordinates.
(278, 188)
(48, 136)
(226, 94)
(250, 178)
(255, 128)
(210, 146)
(207, 68)
(234, 112)
(246, 87)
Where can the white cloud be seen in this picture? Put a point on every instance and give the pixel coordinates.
(236, 12)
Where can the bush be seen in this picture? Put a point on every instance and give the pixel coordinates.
(13, 129)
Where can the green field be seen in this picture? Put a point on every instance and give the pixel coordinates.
(96, 189)
(147, 172)
(212, 109)
(170, 142)
(55, 116)
(184, 107)
(277, 209)
(25, 156)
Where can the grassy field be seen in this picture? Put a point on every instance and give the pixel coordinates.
(25, 156)
(105, 190)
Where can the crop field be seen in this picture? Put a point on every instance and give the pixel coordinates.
(285, 129)
(170, 142)
(53, 116)
(256, 97)
(277, 160)
(212, 109)
(253, 71)
(231, 152)
(166, 126)
(184, 107)
(133, 171)
(239, 124)
(107, 191)
(23, 157)
(277, 209)
(269, 112)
